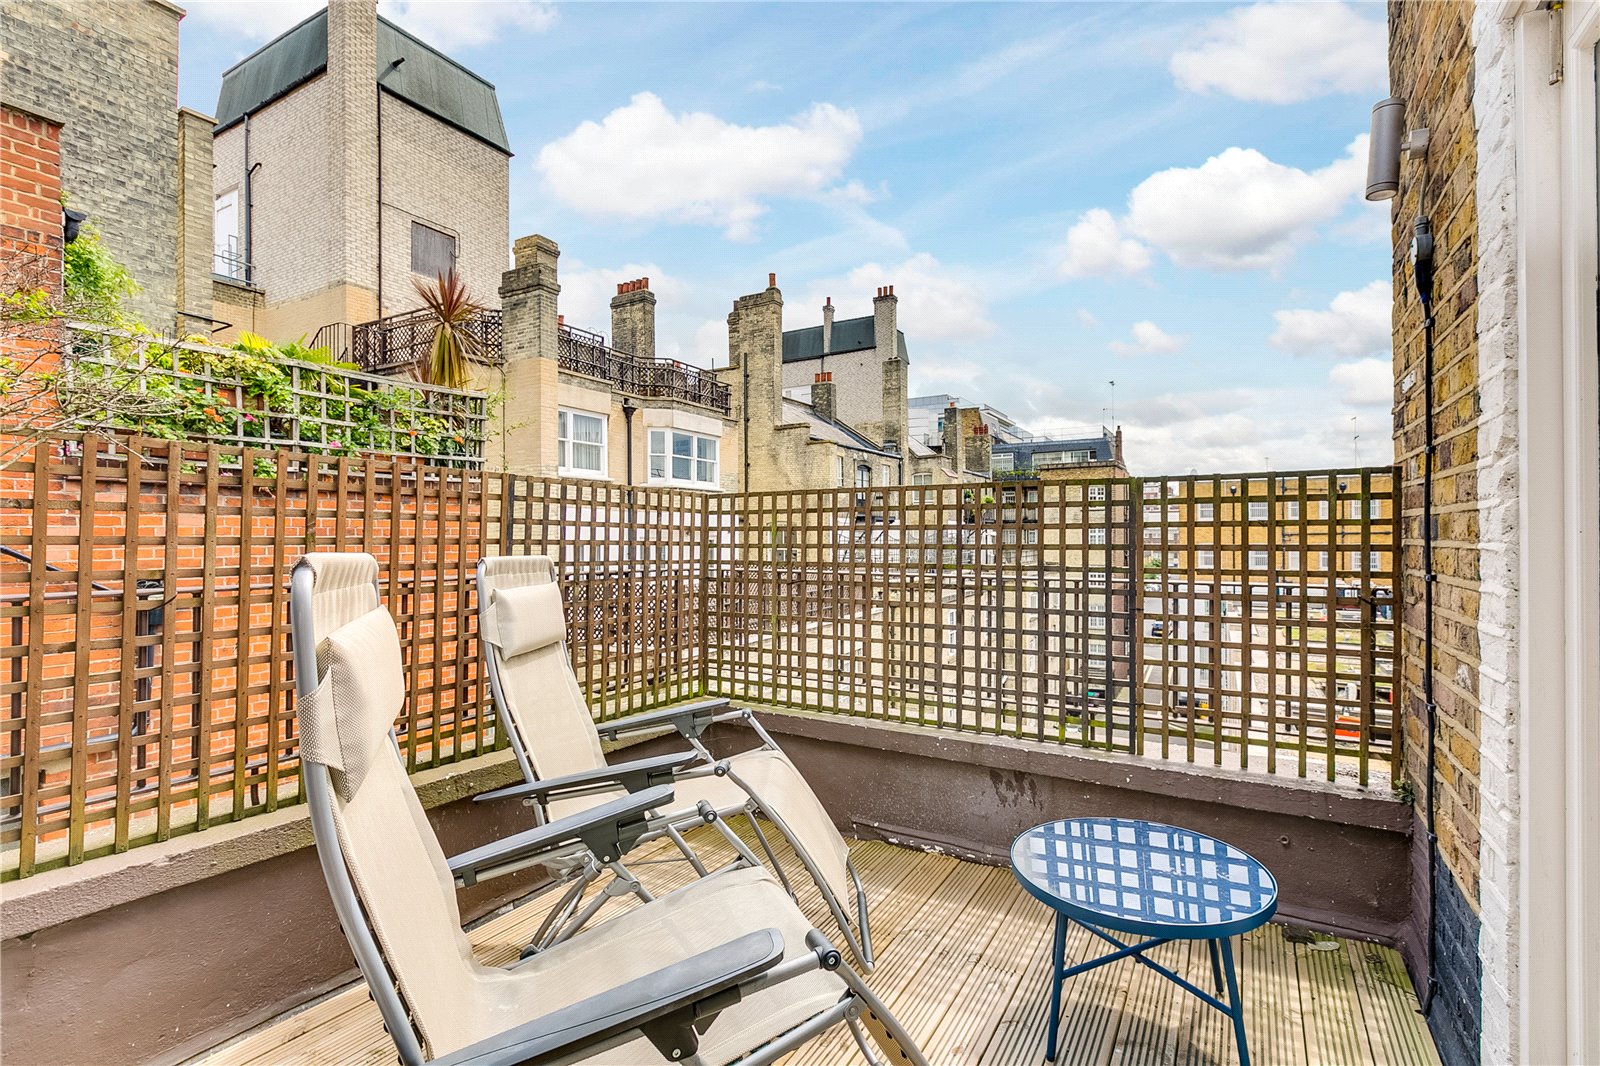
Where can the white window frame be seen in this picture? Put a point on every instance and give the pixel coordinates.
(666, 436)
(565, 443)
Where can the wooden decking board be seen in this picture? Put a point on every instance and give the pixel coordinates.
(990, 982)
(1385, 992)
(1327, 982)
(963, 961)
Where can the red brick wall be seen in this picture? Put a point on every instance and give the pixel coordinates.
(30, 225)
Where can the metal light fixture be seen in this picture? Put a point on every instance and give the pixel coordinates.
(1389, 141)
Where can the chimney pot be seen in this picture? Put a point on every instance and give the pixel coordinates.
(561, 320)
(827, 301)
(772, 280)
(644, 283)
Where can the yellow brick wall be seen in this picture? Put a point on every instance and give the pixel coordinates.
(1431, 67)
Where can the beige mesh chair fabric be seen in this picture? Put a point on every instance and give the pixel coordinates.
(555, 728)
(407, 893)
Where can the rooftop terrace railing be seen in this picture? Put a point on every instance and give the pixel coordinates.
(146, 688)
(582, 352)
(395, 342)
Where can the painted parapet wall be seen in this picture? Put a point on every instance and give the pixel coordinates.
(1340, 858)
(249, 907)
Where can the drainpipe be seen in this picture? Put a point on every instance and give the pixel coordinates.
(249, 206)
(628, 410)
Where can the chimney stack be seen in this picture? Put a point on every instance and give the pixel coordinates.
(825, 396)
(633, 318)
(950, 437)
(980, 450)
(893, 430)
(827, 325)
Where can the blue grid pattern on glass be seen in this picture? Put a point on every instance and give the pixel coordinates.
(1144, 877)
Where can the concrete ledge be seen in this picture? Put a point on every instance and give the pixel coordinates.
(72, 892)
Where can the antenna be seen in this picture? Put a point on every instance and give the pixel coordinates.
(1113, 404)
(1355, 442)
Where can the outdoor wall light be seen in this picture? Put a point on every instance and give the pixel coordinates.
(1389, 140)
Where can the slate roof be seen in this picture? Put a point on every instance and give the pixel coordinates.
(849, 335)
(795, 412)
(427, 79)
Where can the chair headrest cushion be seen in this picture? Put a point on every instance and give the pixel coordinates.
(347, 720)
(528, 618)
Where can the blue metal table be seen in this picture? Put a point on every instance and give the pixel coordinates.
(1149, 880)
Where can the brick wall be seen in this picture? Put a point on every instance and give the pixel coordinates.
(292, 140)
(30, 225)
(1431, 68)
(108, 69)
(195, 218)
(441, 177)
(857, 379)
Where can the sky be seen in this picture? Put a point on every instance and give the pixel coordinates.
(1163, 196)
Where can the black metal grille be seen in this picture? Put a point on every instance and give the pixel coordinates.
(581, 352)
(403, 340)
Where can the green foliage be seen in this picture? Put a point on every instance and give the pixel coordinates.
(95, 284)
(275, 400)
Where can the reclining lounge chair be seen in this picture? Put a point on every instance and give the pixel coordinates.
(724, 970)
(556, 741)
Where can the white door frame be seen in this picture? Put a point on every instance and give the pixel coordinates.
(1557, 940)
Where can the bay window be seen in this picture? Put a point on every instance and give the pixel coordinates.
(684, 458)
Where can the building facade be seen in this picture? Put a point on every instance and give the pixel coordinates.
(1496, 411)
(576, 406)
(826, 406)
(119, 131)
(351, 160)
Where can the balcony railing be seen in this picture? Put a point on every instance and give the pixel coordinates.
(1245, 621)
(398, 341)
(586, 353)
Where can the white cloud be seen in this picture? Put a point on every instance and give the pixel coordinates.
(1086, 317)
(1097, 247)
(644, 162)
(448, 24)
(1365, 382)
(1240, 210)
(937, 302)
(1149, 339)
(1282, 53)
(1355, 323)
(586, 291)
(445, 24)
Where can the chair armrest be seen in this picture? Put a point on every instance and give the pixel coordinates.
(633, 776)
(690, 719)
(662, 1005)
(608, 830)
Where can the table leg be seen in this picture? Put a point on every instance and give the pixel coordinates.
(1058, 963)
(1235, 1003)
(1216, 965)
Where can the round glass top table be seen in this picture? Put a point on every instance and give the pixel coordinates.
(1149, 880)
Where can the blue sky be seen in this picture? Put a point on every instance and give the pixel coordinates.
(1166, 196)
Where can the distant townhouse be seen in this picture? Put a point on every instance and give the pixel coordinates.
(350, 159)
(580, 406)
(825, 406)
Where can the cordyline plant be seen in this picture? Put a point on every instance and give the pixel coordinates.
(453, 310)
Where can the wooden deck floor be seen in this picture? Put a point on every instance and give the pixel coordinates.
(962, 961)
